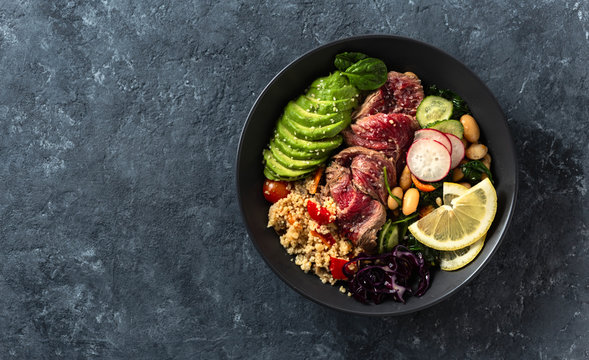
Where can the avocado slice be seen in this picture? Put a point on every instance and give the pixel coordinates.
(272, 176)
(297, 154)
(334, 80)
(346, 92)
(294, 164)
(310, 119)
(314, 132)
(285, 135)
(324, 107)
(281, 171)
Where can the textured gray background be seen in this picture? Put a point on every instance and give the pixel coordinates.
(120, 234)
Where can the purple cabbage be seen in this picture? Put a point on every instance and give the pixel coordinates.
(375, 278)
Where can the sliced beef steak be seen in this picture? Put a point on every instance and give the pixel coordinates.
(400, 94)
(355, 180)
(363, 228)
(359, 216)
(367, 167)
(390, 133)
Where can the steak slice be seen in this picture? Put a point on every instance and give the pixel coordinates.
(367, 167)
(389, 133)
(400, 94)
(355, 180)
(363, 228)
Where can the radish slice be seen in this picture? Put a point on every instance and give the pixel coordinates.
(433, 134)
(457, 150)
(428, 160)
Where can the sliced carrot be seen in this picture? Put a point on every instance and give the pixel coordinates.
(316, 179)
(421, 186)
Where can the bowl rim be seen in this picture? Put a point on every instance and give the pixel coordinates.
(511, 199)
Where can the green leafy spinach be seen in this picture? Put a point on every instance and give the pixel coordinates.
(474, 170)
(367, 74)
(345, 60)
(431, 256)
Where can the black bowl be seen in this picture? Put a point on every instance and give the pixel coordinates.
(433, 66)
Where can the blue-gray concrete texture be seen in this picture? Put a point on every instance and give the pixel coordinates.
(120, 233)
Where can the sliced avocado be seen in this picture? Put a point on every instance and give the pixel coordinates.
(334, 94)
(269, 174)
(326, 106)
(306, 118)
(314, 132)
(304, 145)
(294, 164)
(297, 153)
(333, 80)
(282, 171)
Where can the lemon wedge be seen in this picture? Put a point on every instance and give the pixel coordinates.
(460, 223)
(451, 191)
(456, 259)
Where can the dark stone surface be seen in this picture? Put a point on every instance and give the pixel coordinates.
(120, 232)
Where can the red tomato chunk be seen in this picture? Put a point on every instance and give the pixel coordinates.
(275, 190)
(336, 266)
(318, 213)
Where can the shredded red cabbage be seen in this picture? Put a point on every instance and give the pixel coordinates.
(374, 278)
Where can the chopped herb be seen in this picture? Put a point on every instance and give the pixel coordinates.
(386, 184)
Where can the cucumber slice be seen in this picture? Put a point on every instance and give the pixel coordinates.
(388, 237)
(453, 127)
(433, 109)
(382, 235)
(392, 238)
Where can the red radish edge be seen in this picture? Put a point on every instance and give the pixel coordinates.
(434, 134)
(457, 150)
(423, 147)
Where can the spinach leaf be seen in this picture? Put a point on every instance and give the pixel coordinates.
(429, 198)
(474, 170)
(367, 74)
(345, 60)
(460, 106)
(431, 256)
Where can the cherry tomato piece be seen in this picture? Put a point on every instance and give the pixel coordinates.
(336, 266)
(275, 190)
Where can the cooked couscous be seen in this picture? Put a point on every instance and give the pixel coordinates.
(303, 237)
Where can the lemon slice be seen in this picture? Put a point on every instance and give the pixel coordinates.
(462, 222)
(456, 259)
(452, 191)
